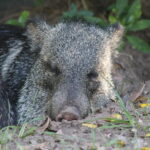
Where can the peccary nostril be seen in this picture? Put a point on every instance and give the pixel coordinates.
(70, 113)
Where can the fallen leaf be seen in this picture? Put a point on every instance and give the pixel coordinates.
(90, 125)
(116, 116)
(145, 148)
(137, 93)
(147, 135)
(118, 66)
(144, 105)
(60, 132)
(140, 99)
(46, 124)
(121, 143)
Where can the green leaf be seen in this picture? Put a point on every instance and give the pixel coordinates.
(13, 22)
(21, 20)
(96, 20)
(73, 9)
(112, 19)
(139, 25)
(72, 12)
(139, 44)
(23, 17)
(85, 13)
(111, 7)
(39, 2)
(134, 12)
(120, 6)
(114, 120)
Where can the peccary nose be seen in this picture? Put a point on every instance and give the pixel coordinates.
(70, 113)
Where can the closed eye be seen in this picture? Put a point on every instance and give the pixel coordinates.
(52, 67)
(55, 70)
(92, 75)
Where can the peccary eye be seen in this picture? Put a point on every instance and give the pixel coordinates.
(92, 74)
(52, 67)
(55, 70)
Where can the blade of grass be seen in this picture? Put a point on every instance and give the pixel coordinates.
(114, 126)
(125, 111)
(22, 130)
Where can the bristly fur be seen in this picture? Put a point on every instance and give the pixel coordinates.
(49, 68)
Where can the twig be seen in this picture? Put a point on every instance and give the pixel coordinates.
(84, 4)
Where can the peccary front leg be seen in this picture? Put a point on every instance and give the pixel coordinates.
(100, 101)
(33, 98)
(102, 93)
(31, 104)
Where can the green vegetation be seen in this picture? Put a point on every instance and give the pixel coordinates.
(39, 2)
(85, 15)
(8, 133)
(128, 15)
(21, 21)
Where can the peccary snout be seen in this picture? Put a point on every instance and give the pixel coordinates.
(70, 113)
(69, 102)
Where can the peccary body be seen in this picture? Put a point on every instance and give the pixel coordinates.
(62, 71)
(7, 116)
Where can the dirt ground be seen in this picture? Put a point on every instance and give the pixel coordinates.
(131, 74)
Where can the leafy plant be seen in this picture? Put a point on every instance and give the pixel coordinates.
(39, 2)
(128, 15)
(86, 15)
(21, 21)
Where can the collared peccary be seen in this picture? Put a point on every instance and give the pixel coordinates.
(63, 71)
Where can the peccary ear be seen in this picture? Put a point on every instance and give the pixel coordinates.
(115, 33)
(36, 30)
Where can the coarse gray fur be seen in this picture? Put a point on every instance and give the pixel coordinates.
(71, 69)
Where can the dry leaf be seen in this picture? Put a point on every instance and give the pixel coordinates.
(140, 99)
(147, 135)
(138, 93)
(46, 124)
(121, 143)
(116, 116)
(60, 132)
(144, 105)
(145, 148)
(90, 125)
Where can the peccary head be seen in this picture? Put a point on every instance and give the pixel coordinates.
(74, 66)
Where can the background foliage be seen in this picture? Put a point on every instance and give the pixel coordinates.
(127, 13)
